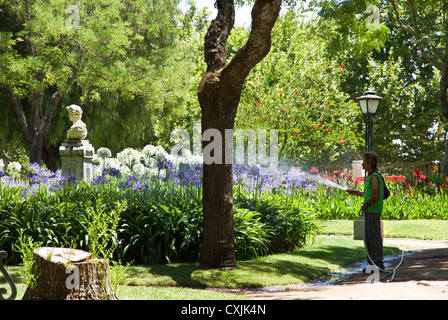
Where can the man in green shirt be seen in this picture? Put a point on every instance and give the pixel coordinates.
(372, 207)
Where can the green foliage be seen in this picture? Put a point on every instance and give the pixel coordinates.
(251, 235)
(26, 246)
(126, 60)
(295, 89)
(101, 223)
(290, 225)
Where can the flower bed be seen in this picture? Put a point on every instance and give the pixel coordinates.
(161, 220)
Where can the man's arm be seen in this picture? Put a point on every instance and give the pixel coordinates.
(355, 192)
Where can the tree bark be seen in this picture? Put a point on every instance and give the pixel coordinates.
(50, 155)
(58, 278)
(219, 94)
(443, 98)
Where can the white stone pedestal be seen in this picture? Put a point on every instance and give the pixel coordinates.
(76, 156)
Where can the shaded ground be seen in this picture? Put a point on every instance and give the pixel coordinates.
(423, 275)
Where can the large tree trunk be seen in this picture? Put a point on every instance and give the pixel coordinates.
(443, 98)
(218, 112)
(36, 140)
(50, 155)
(219, 94)
(69, 274)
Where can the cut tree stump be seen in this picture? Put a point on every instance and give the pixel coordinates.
(69, 274)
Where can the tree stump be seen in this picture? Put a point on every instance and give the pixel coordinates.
(69, 274)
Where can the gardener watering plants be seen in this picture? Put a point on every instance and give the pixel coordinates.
(372, 208)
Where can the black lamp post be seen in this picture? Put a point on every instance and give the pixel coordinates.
(369, 103)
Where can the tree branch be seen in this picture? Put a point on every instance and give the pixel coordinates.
(415, 17)
(264, 15)
(414, 33)
(215, 41)
(17, 105)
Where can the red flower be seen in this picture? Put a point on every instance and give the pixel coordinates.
(340, 142)
(281, 94)
(296, 132)
(342, 66)
(329, 102)
(297, 92)
(320, 125)
(314, 170)
(336, 172)
(283, 111)
(258, 101)
(328, 130)
(312, 127)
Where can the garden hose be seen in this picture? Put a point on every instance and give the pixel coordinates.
(388, 273)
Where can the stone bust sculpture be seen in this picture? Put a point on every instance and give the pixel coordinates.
(78, 131)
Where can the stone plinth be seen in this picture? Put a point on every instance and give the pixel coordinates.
(358, 228)
(76, 156)
(357, 169)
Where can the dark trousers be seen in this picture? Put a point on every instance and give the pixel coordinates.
(374, 241)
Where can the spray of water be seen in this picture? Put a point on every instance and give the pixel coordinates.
(324, 181)
(317, 179)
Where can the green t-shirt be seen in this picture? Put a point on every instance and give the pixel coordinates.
(377, 206)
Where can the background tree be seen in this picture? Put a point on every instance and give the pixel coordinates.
(425, 22)
(410, 125)
(123, 62)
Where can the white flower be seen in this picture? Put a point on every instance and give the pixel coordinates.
(160, 154)
(14, 167)
(139, 169)
(104, 152)
(114, 163)
(129, 157)
(97, 160)
(149, 150)
(2, 164)
(125, 170)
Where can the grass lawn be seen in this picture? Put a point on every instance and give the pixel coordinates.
(412, 229)
(185, 281)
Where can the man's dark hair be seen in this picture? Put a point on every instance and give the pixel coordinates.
(372, 159)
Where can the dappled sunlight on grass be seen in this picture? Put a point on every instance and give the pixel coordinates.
(302, 265)
(181, 280)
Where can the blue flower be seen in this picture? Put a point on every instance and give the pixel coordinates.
(134, 183)
(99, 180)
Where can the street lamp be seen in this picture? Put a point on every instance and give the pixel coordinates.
(369, 103)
